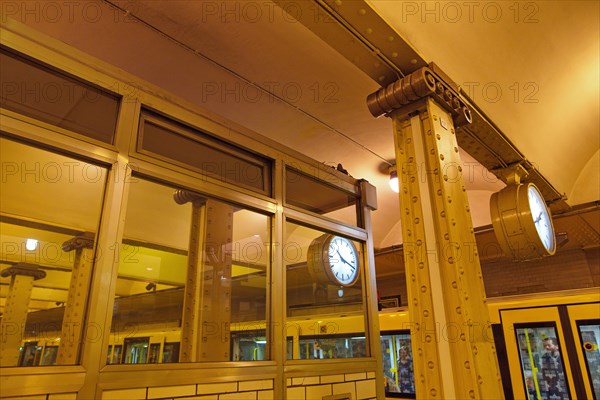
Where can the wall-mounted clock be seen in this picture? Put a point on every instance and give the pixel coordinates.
(522, 222)
(334, 260)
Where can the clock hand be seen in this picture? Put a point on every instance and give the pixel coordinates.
(343, 260)
(535, 221)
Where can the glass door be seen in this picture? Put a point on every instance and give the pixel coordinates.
(585, 323)
(541, 359)
(538, 354)
(136, 350)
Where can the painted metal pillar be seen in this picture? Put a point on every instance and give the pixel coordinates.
(453, 350)
(368, 203)
(205, 333)
(73, 318)
(12, 324)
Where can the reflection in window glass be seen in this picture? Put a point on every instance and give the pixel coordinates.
(49, 214)
(53, 97)
(541, 362)
(316, 196)
(589, 332)
(188, 264)
(204, 153)
(398, 365)
(325, 307)
(249, 345)
(332, 346)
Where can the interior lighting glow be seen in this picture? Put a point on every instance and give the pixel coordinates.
(31, 244)
(394, 184)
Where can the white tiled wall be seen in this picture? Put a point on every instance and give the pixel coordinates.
(361, 386)
(243, 390)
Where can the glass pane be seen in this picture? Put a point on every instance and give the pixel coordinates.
(325, 307)
(398, 365)
(590, 341)
(204, 153)
(50, 96)
(249, 345)
(332, 346)
(188, 265)
(49, 214)
(316, 196)
(541, 362)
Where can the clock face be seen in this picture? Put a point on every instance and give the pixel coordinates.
(541, 218)
(343, 260)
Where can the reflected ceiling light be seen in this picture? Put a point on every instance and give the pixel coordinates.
(31, 244)
(394, 184)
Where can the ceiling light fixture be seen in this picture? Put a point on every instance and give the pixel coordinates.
(394, 184)
(31, 244)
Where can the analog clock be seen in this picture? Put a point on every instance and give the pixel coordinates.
(334, 260)
(522, 222)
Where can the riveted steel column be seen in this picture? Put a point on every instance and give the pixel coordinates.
(453, 350)
(215, 296)
(73, 319)
(205, 333)
(452, 342)
(12, 325)
(189, 326)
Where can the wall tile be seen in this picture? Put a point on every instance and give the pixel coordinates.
(171, 391)
(348, 387)
(306, 380)
(256, 385)
(332, 378)
(356, 377)
(124, 394)
(296, 393)
(317, 392)
(209, 388)
(365, 389)
(238, 396)
(63, 396)
(266, 395)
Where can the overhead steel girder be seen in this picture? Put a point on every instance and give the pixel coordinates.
(386, 57)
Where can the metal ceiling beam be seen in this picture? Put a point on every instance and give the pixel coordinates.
(357, 32)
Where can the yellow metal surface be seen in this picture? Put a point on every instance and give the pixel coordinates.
(455, 354)
(577, 313)
(13, 321)
(73, 319)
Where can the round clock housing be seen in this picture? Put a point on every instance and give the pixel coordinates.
(333, 260)
(522, 222)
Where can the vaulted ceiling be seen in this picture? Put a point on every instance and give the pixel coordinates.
(289, 75)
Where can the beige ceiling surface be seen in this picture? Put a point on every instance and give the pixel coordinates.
(533, 67)
(252, 63)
